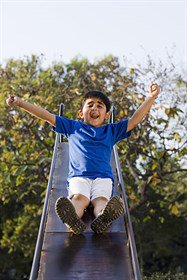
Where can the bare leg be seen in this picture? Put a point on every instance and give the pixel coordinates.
(80, 202)
(99, 204)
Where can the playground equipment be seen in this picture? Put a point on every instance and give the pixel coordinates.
(59, 254)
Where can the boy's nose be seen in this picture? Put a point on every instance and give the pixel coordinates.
(94, 107)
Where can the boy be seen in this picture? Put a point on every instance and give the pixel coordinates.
(90, 144)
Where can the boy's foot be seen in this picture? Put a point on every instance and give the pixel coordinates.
(66, 212)
(112, 211)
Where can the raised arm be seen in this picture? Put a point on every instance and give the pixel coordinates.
(144, 108)
(32, 109)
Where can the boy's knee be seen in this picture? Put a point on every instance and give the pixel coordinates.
(80, 197)
(99, 200)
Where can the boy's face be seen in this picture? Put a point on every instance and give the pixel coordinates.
(94, 112)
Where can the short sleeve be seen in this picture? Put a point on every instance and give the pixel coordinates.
(119, 130)
(63, 126)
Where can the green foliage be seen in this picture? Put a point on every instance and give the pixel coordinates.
(152, 159)
(167, 276)
(155, 176)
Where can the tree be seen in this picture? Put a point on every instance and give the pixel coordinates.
(155, 173)
(151, 159)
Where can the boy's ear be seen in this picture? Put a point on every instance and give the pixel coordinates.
(107, 116)
(80, 114)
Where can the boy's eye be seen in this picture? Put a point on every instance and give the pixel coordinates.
(97, 105)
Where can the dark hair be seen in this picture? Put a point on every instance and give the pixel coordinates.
(100, 95)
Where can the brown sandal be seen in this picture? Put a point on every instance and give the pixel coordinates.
(112, 211)
(66, 212)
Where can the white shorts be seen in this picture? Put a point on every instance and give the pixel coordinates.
(91, 188)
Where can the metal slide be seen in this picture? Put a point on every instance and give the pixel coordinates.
(59, 254)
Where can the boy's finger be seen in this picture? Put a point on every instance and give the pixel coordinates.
(154, 87)
(10, 96)
(151, 87)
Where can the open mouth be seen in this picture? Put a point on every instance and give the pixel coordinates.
(94, 117)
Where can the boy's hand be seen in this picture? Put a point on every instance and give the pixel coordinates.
(154, 90)
(13, 100)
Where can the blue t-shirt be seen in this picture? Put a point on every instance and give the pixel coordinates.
(90, 147)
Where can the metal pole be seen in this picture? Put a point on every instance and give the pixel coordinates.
(37, 253)
(134, 256)
(61, 111)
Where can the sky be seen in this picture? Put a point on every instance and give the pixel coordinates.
(61, 30)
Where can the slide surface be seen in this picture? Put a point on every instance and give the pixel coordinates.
(87, 256)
